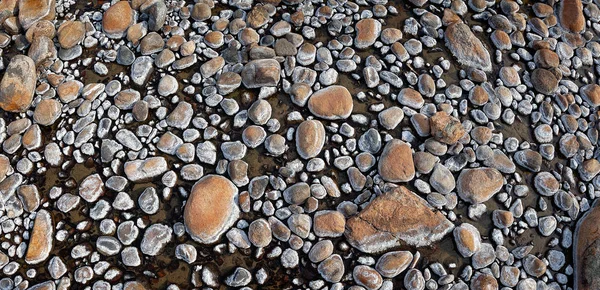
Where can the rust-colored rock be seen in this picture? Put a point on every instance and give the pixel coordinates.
(331, 103)
(570, 14)
(479, 185)
(310, 138)
(18, 84)
(211, 209)
(398, 217)
(117, 19)
(396, 162)
(32, 11)
(446, 128)
(42, 235)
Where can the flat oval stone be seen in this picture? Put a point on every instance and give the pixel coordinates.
(331, 103)
(211, 209)
(310, 138)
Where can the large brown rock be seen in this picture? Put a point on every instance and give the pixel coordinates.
(396, 162)
(32, 11)
(211, 209)
(310, 138)
(261, 73)
(367, 32)
(331, 103)
(465, 46)
(42, 236)
(18, 84)
(398, 217)
(479, 185)
(586, 250)
(570, 15)
(117, 19)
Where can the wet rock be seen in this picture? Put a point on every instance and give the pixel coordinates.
(211, 208)
(534, 266)
(117, 19)
(441, 179)
(259, 233)
(331, 103)
(484, 281)
(40, 243)
(310, 138)
(529, 159)
(396, 162)
(544, 81)
(591, 94)
(18, 84)
(91, 188)
(468, 239)
(479, 185)
(398, 217)
(141, 70)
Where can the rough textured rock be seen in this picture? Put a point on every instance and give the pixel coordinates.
(396, 162)
(446, 128)
(211, 208)
(398, 217)
(331, 103)
(18, 84)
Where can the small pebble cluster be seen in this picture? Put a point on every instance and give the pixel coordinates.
(298, 144)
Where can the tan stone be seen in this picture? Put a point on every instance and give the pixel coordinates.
(479, 185)
(396, 162)
(70, 33)
(310, 138)
(331, 103)
(40, 243)
(211, 209)
(117, 19)
(18, 84)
